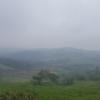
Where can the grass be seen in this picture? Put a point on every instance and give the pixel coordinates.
(79, 91)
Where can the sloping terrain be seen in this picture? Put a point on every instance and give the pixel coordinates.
(26, 62)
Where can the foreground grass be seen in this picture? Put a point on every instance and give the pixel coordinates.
(78, 91)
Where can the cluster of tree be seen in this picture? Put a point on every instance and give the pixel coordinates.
(48, 77)
(45, 76)
(93, 75)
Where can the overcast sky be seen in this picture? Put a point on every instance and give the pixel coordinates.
(50, 23)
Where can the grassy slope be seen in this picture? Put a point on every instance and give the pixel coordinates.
(79, 91)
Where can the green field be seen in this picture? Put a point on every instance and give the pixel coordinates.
(78, 91)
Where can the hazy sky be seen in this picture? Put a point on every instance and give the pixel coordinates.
(50, 23)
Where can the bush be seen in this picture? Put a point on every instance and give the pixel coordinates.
(17, 96)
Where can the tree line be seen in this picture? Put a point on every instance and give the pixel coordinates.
(49, 77)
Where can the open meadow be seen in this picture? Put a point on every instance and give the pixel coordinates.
(27, 91)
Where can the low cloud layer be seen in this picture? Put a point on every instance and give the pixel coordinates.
(50, 23)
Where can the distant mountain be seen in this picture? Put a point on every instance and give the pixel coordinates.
(53, 54)
(23, 63)
(60, 59)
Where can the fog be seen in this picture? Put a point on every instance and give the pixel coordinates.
(50, 24)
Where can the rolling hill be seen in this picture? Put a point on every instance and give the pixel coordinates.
(26, 62)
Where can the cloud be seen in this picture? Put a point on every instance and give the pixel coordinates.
(49, 23)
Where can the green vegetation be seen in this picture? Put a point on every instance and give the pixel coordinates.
(59, 74)
(17, 96)
(78, 91)
(45, 77)
(50, 77)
